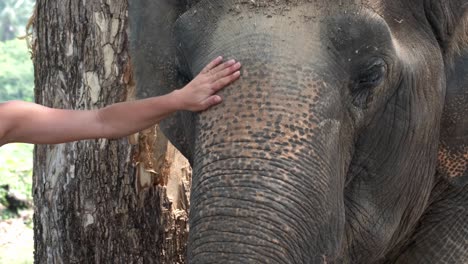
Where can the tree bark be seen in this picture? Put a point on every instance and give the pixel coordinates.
(100, 201)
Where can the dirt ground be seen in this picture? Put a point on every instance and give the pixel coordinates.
(16, 239)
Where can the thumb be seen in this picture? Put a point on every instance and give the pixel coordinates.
(211, 101)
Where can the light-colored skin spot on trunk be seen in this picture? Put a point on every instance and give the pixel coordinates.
(44, 221)
(62, 78)
(102, 143)
(145, 161)
(114, 28)
(109, 28)
(101, 21)
(89, 210)
(145, 176)
(60, 157)
(57, 163)
(159, 163)
(108, 53)
(178, 183)
(70, 45)
(89, 220)
(94, 88)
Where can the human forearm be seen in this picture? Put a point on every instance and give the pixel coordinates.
(33, 123)
(125, 118)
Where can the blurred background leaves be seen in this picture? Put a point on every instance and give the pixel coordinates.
(16, 83)
(14, 15)
(16, 70)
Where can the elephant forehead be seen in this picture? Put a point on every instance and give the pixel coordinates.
(299, 32)
(201, 40)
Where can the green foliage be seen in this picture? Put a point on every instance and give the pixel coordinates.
(16, 168)
(16, 74)
(14, 15)
(6, 214)
(16, 83)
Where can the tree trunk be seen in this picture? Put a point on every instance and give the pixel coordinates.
(100, 201)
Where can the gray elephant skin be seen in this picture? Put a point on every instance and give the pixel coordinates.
(344, 140)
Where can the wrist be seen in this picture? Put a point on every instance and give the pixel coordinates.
(175, 99)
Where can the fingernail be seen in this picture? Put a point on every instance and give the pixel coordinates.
(231, 61)
(237, 73)
(217, 99)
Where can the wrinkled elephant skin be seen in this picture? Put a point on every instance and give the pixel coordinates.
(344, 141)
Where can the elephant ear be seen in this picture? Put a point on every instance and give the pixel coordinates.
(153, 51)
(449, 21)
(453, 149)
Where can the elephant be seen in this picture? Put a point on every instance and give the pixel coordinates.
(344, 141)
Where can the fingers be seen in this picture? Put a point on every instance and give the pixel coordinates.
(222, 66)
(212, 64)
(222, 82)
(211, 101)
(227, 71)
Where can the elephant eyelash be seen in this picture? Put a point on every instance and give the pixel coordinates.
(362, 98)
(367, 80)
(373, 77)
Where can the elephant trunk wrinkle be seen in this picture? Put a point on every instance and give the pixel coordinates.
(276, 204)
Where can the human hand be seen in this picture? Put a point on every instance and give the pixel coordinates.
(199, 94)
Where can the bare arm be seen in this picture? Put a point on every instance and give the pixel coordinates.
(32, 123)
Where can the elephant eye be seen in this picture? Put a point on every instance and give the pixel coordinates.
(373, 74)
(368, 78)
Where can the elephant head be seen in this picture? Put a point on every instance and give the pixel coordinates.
(327, 148)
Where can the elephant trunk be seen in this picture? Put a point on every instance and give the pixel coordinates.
(269, 170)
